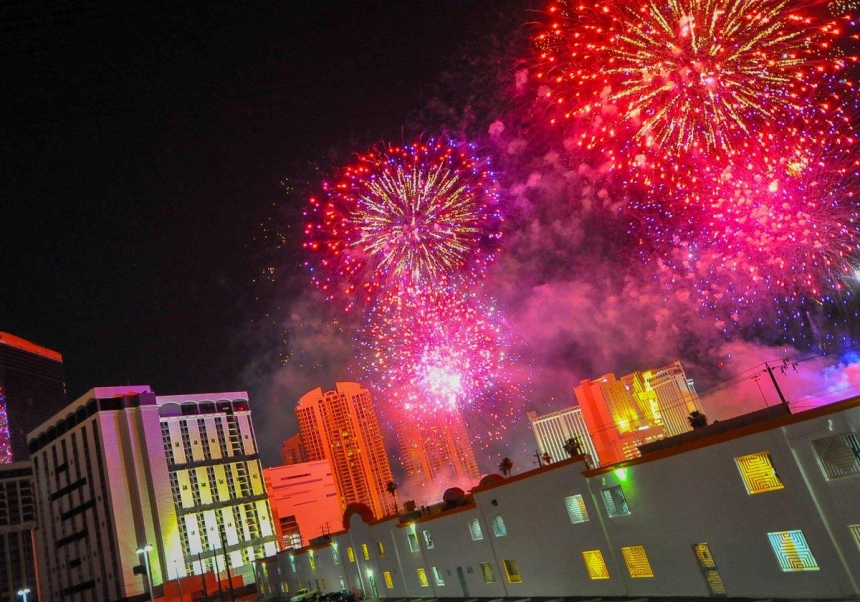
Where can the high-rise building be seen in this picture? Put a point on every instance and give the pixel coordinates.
(304, 502)
(17, 522)
(292, 451)
(120, 469)
(554, 429)
(438, 449)
(642, 407)
(341, 427)
(32, 389)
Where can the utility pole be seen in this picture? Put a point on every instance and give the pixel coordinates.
(776, 384)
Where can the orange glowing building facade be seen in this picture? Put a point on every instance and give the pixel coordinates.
(639, 408)
(341, 427)
(441, 450)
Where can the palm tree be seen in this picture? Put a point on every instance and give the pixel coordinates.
(506, 465)
(572, 447)
(697, 420)
(391, 487)
(547, 459)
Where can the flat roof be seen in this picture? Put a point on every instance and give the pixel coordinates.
(24, 345)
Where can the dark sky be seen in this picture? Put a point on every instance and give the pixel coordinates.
(143, 144)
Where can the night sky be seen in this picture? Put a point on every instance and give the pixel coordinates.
(144, 144)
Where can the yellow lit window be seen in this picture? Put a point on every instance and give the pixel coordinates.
(422, 577)
(758, 473)
(792, 551)
(389, 583)
(323, 585)
(380, 548)
(365, 551)
(350, 553)
(487, 572)
(637, 562)
(595, 564)
(512, 571)
(709, 569)
(313, 562)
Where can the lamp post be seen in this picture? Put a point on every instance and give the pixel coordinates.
(145, 550)
(23, 593)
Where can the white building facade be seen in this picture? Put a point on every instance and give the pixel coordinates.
(763, 506)
(552, 431)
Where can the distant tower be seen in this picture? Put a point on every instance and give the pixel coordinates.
(554, 429)
(32, 389)
(341, 426)
(17, 525)
(639, 408)
(292, 451)
(440, 448)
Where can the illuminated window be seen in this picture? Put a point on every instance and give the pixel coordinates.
(389, 582)
(323, 585)
(335, 557)
(595, 565)
(637, 562)
(413, 541)
(437, 577)
(380, 548)
(839, 456)
(615, 502)
(512, 571)
(576, 509)
(758, 473)
(855, 532)
(499, 528)
(792, 552)
(709, 569)
(313, 562)
(365, 551)
(475, 530)
(422, 577)
(487, 572)
(428, 540)
(293, 562)
(350, 553)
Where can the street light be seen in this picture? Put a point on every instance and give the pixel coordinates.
(145, 550)
(23, 593)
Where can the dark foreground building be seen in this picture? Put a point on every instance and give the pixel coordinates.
(32, 389)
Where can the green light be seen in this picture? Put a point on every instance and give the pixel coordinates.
(621, 474)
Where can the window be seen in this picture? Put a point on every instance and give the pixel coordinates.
(475, 530)
(839, 456)
(380, 548)
(792, 552)
(499, 529)
(512, 571)
(709, 569)
(437, 577)
(335, 557)
(428, 540)
(487, 572)
(422, 577)
(576, 509)
(312, 561)
(365, 551)
(855, 531)
(616, 503)
(758, 473)
(350, 553)
(595, 565)
(413, 542)
(637, 562)
(389, 582)
(293, 562)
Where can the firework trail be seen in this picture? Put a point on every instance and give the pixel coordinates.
(402, 217)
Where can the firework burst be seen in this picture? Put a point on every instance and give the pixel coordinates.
(669, 78)
(401, 217)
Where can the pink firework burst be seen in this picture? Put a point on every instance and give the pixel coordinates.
(401, 217)
(643, 81)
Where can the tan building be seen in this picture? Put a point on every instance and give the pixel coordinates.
(341, 427)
